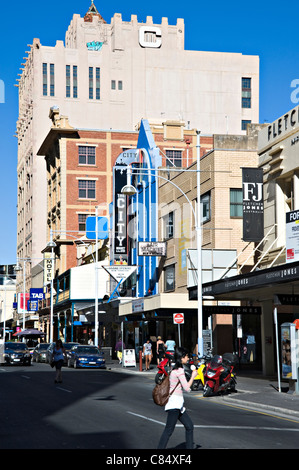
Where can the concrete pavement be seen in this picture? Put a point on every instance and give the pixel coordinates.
(253, 391)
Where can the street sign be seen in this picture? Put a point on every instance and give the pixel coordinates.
(178, 318)
(120, 272)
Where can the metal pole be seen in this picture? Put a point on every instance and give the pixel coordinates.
(199, 243)
(24, 293)
(52, 287)
(96, 303)
(277, 348)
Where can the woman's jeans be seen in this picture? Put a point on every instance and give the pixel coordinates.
(173, 416)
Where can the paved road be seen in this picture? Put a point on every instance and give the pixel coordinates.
(94, 409)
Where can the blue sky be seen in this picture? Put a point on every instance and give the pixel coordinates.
(259, 28)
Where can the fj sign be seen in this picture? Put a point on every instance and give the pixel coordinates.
(253, 204)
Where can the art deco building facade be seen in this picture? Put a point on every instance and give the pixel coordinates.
(109, 76)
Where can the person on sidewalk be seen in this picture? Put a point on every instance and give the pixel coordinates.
(160, 349)
(119, 347)
(175, 406)
(147, 353)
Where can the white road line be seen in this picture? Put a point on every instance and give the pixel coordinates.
(64, 389)
(246, 428)
(25, 377)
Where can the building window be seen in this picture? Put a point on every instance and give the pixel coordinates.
(68, 81)
(244, 125)
(174, 158)
(94, 76)
(98, 83)
(120, 85)
(169, 226)
(236, 203)
(87, 155)
(82, 222)
(169, 278)
(75, 81)
(91, 83)
(246, 92)
(52, 80)
(87, 189)
(113, 85)
(206, 207)
(45, 80)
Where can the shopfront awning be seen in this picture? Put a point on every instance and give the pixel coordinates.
(255, 286)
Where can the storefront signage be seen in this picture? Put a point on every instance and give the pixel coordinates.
(288, 351)
(120, 273)
(36, 294)
(129, 358)
(150, 36)
(286, 299)
(120, 241)
(292, 236)
(137, 305)
(252, 280)
(284, 124)
(253, 204)
(94, 45)
(152, 248)
(231, 310)
(48, 268)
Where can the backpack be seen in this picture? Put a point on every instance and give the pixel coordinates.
(161, 393)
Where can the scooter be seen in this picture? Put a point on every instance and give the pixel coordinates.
(164, 368)
(219, 375)
(199, 380)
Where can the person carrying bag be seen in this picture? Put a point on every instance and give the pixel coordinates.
(175, 405)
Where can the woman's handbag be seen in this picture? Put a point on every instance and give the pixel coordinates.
(161, 392)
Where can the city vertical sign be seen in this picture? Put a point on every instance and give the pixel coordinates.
(253, 204)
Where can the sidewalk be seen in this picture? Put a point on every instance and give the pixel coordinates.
(253, 391)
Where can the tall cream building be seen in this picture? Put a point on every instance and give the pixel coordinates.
(109, 76)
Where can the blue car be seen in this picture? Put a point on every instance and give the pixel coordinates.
(86, 356)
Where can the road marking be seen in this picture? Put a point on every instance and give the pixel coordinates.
(253, 408)
(203, 426)
(25, 377)
(64, 389)
(146, 418)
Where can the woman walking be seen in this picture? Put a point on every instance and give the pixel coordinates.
(175, 406)
(58, 359)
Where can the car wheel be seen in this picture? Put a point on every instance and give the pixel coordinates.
(69, 363)
(75, 364)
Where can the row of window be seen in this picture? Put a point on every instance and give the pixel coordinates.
(71, 81)
(236, 210)
(94, 75)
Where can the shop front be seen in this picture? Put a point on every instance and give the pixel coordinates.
(259, 293)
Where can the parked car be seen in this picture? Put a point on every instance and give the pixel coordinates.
(67, 347)
(40, 352)
(86, 356)
(17, 353)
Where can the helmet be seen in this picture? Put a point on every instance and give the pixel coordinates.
(216, 361)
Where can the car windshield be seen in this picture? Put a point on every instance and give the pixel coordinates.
(87, 350)
(16, 346)
(69, 345)
(43, 346)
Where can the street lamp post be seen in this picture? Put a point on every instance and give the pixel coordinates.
(18, 268)
(51, 245)
(130, 190)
